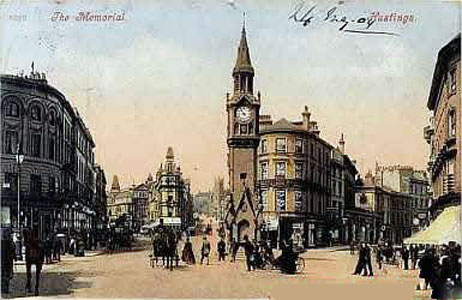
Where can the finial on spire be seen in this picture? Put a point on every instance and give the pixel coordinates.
(243, 21)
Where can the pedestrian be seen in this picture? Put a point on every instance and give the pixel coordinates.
(369, 260)
(8, 256)
(205, 250)
(48, 249)
(188, 253)
(405, 257)
(221, 249)
(414, 252)
(352, 247)
(362, 260)
(426, 265)
(248, 249)
(234, 248)
(379, 254)
(56, 248)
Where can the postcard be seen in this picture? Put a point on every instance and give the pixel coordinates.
(230, 149)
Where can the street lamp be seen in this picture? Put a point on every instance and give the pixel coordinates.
(19, 160)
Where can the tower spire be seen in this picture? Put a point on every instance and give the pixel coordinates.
(243, 63)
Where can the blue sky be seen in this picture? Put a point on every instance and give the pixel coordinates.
(160, 77)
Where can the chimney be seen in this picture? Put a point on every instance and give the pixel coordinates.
(306, 119)
(341, 142)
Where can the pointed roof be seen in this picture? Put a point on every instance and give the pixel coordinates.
(170, 153)
(115, 183)
(243, 63)
(283, 124)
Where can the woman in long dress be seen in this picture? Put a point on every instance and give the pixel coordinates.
(188, 254)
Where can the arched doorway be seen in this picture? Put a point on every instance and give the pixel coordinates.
(243, 228)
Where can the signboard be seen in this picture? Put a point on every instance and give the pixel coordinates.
(422, 216)
(171, 221)
(5, 216)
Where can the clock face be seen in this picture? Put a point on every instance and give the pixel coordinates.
(243, 114)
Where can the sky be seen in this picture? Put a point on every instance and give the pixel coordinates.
(159, 78)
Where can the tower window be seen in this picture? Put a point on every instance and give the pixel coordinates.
(264, 146)
(281, 145)
(298, 146)
(281, 168)
(452, 80)
(281, 200)
(243, 129)
(298, 171)
(452, 123)
(36, 113)
(12, 110)
(11, 142)
(298, 201)
(264, 170)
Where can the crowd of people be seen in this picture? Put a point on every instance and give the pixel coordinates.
(439, 266)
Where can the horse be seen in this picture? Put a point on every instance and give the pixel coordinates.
(35, 255)
(170, 248)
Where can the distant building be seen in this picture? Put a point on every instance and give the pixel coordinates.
(293, 179)
(140, 203)
(218, 201)
(444, 132)
(170, 195)
(120, 202)
(405, 179)
(202, 203)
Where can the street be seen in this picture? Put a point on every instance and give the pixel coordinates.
(128, 275)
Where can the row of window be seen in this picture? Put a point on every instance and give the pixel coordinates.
(36, 113)
(281, 201)
(11, 183)
(12, 142)
(281, 171)
(300, 148)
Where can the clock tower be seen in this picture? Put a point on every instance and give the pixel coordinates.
(243, 140)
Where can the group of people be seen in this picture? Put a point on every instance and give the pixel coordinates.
(441, 270)
(440, 267)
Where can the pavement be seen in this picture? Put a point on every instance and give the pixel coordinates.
(129, 275)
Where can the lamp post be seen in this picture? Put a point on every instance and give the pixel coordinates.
(19, 160)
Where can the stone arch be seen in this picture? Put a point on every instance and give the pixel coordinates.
(243, 228)
(37, 103)
(7, 100)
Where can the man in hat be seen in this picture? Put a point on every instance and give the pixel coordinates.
(8, 255)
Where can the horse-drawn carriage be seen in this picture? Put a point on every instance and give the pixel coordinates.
(164, 245)
(120, 238)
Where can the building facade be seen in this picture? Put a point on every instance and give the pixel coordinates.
(293, 179)
(57, 190)
(170, 195)
(444, 132)
(120, 203)
(407, 180)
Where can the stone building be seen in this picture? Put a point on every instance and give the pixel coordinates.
(120, 202)
(57, 174)
(140, 203)
(218, 204)
(444, 132)
(293, 179)
(394, 208)
(170, 195)
(405, 179)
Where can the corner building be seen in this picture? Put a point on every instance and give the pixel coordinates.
(293, 179)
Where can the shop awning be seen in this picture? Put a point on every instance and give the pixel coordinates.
(446, 228)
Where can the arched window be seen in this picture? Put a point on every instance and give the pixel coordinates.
(52, 118)
(12, 109)
(36, 113)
